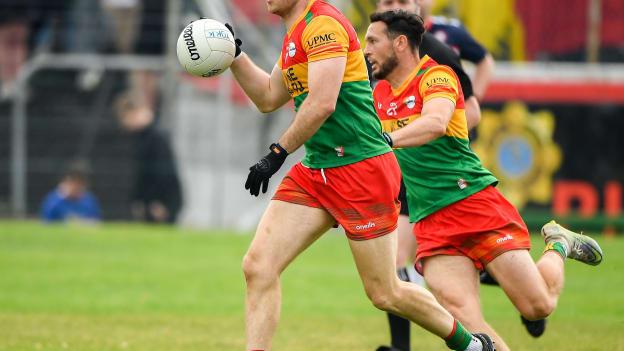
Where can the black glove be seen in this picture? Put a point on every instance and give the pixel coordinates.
(260, 173)
(237, 41)
(387, 138)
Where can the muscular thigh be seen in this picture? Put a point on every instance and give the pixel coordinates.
(374, 259)
(285, 230)
(518, 276)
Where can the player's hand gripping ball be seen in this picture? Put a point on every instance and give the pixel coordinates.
(206, 48)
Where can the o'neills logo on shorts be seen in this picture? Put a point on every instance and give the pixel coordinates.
(190, 43)
(368, 225)
(503, 239)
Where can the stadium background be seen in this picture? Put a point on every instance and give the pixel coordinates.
(551, 130)
(559, 58)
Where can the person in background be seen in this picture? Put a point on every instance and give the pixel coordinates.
(451, 32)
(71, 199)
(14, 33)
(157, 194)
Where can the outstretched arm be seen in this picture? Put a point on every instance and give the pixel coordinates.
(325, 80)
(267, 91)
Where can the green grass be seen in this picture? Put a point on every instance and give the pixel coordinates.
(128, 287)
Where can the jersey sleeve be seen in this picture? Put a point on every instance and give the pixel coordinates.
(323, 38)
(439, 81)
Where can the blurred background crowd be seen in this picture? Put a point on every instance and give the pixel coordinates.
(94, 109)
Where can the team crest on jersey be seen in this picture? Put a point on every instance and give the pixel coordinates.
(410, 102)
(392, 110)
(462, 184)
(292, 49)
(339, 151)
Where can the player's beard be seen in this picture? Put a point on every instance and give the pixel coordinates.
(386, 67)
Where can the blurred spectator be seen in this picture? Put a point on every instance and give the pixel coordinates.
(123, 18)
(157, 195)
(14, 22)
(71, 199)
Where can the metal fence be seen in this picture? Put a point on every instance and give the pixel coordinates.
(61, 108)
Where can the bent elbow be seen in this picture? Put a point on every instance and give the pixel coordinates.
(328, 109)
(266, 107)
(439, 130)
(325, 107)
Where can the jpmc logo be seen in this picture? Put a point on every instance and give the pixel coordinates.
(322, 39)
(437, 81)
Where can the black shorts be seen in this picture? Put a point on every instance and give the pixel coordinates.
(403, 199)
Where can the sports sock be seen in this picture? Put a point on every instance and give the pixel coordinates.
(475, 345)
(399, 326)
(461, 340)
(557, 246)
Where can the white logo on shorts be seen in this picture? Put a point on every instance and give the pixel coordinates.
(368, 225)
(503, 239)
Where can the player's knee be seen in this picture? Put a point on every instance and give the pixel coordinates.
(383, 299)
(537, 309)
(382, 302)
(255, 271)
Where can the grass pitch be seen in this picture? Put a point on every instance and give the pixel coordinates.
(128, 287)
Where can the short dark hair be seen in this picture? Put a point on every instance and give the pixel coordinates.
(77, 170)
(401, 22)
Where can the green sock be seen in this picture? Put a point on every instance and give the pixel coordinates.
(459, 338)
(557, 246)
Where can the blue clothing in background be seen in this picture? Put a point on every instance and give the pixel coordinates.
(454, 34)
(57, 208)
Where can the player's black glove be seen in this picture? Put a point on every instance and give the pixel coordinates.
(260, 173)
(387, 138)
(238, 42)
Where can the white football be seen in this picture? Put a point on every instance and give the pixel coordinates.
(206, 48)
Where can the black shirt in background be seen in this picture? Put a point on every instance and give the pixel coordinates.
(156, 177)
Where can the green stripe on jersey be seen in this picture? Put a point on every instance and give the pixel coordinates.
(440, 173)
(308, 17)
(351, 134)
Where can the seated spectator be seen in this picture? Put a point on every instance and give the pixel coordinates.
(71, 199)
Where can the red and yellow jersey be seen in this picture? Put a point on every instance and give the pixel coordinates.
(352, 133)
(444, 170)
